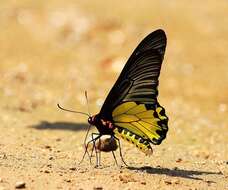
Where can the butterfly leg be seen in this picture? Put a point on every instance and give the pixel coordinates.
(98, 135)
(86, 152)
(114, 156)
(86, 148)
(121, 155)
(98, 156)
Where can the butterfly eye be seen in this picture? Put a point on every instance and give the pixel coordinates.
(89, 120)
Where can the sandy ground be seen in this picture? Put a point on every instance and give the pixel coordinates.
(52, 51)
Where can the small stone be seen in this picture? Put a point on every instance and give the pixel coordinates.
(47, 146)
(46, 171)
(98, 188)
(72, 168)
(82, 171)
(143, 183)
(209, 182)
(49, 165)
(206, 156)
(51, 158)
(179, 160)
(68, 180)
(58, 139)
(167, 182)
(124, 180)
(20, 185)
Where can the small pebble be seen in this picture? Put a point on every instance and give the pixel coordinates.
(179, 160)
(47, 146)
(49, 165)
(82, 171)
(46, 171)
(124, 180)
(209, 182)
(98, 188)
(143, 183)
(72, 168)
(167, 182)
(20, 185)
(206, 156)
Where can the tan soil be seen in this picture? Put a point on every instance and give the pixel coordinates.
(52, 51)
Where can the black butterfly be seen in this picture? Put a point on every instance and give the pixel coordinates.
(131, 110)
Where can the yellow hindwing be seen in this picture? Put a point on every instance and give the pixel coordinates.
(139, 142)
(146, 121)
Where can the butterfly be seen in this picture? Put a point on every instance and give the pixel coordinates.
(131, 110)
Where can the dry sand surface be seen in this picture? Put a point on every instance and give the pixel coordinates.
(52, 51)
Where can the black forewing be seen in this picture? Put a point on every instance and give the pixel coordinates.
(138, 80)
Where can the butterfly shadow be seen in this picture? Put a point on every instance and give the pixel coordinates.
(60, 125)
(176, 172)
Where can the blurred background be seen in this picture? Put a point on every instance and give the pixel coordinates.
(52, 51)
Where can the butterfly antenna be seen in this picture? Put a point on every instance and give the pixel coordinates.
(60, 107)
(87, 102)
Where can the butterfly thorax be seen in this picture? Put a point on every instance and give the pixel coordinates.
(104, 127)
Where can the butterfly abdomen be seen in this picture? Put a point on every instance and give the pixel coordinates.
(139, 142)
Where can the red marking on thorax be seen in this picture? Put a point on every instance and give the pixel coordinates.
(107, 124)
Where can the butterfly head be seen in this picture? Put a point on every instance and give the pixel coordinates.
(92, 120)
